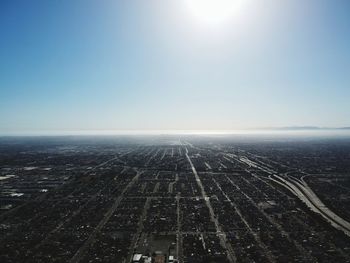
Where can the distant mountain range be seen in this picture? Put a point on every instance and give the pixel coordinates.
(303, 128)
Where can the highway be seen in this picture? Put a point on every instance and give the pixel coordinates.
(300, 189)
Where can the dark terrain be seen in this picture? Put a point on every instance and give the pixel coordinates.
(174, 198)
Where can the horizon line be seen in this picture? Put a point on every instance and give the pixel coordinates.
(267, 130)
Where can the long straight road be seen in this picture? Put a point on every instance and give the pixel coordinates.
(221, 234)
(81, 251)
(253, 233)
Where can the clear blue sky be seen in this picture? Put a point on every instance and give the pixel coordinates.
(135, 64)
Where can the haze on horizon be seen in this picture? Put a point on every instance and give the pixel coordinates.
(173, 65)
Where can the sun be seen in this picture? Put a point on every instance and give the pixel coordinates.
(213, 11)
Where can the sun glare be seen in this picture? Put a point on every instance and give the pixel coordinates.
(213, 11)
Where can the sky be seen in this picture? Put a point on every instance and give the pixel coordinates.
(78, 65)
